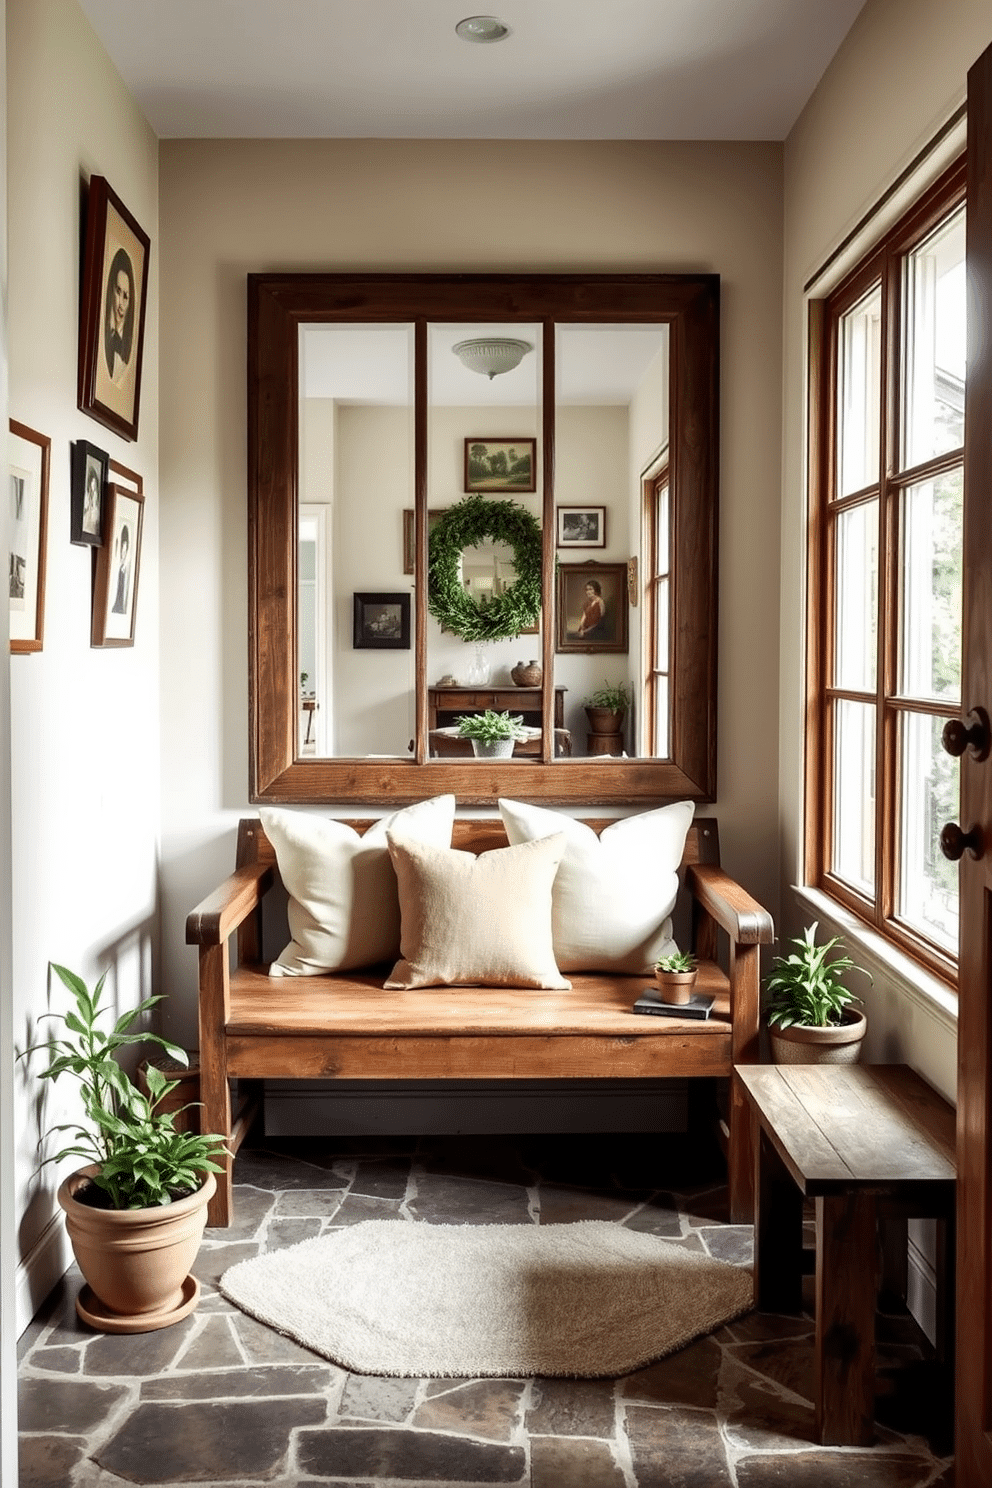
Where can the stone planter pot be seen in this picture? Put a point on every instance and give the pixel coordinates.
(675, 986)
(605, 720)
(136, 1261)
(839, 1043)
(492, 748)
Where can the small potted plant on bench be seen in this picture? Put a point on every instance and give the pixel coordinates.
(811, 1019)
(606, 708)
(675, 975)
(493, 734)
(136, 1213)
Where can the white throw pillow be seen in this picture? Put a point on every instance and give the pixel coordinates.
(344, 909)
(614, 893)
(476, 921)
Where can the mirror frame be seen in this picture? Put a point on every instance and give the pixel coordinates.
(278, 305)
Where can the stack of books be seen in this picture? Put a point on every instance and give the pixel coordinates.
(698, 1006)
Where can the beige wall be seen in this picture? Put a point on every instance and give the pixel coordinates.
(899, 75)
(229, 207)
(84, 723)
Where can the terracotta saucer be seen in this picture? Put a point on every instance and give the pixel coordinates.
(92, 1311)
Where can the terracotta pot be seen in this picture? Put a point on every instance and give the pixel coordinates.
(605, 720)
(839, 1043)
(675, 986)
(528, 675)
(136, 1261)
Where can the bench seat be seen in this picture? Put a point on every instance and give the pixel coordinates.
(346, 1026)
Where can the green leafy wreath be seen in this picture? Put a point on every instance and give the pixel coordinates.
(465, 526)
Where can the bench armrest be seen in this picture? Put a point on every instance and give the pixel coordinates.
(214, 918)
(733, 909)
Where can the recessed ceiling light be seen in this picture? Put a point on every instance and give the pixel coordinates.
(482, 28)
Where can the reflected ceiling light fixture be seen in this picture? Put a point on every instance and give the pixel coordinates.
(482, 28)
(491, 355)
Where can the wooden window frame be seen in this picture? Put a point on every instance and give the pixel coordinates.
(652, 584)
(882, 265)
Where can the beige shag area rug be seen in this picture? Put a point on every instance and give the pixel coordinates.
(390, 1297)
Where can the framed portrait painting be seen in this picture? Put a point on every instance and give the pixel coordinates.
(112, 311)
(381, 622)
(29, 457)
(592, 607)
(89, 482)
(118, 564)
(500, 464)
(581, 527)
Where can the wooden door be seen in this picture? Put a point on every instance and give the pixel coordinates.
(973, 1424)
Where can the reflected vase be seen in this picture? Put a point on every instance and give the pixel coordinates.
(479, 669)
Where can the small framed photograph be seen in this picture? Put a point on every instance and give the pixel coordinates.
(581, 526)
(89, 482)
(501, 464)
(382, 622)
(29, 457)
(118, 564)
(592, 607)
(409, 536)
(112, 311)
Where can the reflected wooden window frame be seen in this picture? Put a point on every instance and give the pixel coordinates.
(278, 305)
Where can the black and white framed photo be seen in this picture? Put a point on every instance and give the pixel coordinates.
(382, 622)
(118, 561)
(28, 454)
(112, 311)
(89, 485)
(581, 526)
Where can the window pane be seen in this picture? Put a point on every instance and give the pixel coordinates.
(661, 530)
(928, 883)
(853, 856)
(661, 606)
(661, 717)
(930, 609)
(934, 362)
(856, 607)
(859, 394)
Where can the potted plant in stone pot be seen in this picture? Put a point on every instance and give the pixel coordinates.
(811, 1017)
(136, 1212)
(675, 975)
(606, 708)
(493, 734)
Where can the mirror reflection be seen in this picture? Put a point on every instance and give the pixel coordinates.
(484, 440)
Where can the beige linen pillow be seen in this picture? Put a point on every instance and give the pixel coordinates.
(614, 893)
(470, 920)
(343, 907)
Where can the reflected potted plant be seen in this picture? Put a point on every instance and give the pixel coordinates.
(811, 1017)
(493, 734)
(136, 1212)
(607, 707)
(675, 975)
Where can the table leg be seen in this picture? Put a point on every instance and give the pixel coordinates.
(778, 1234)
(846, 1282)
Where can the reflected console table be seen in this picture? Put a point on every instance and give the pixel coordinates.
(445, 705)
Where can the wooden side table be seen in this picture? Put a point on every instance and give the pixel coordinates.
(866, 1143)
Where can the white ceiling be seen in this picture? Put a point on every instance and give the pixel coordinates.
(570, 69)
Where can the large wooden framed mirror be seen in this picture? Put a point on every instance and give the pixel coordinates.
(365, 422)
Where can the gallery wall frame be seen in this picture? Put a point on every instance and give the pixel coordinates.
(592, 607)
(507, 465)
(112, 311)
(580, 527)
(381, 622)
(90, 469)
(117, 568)
(29, 460)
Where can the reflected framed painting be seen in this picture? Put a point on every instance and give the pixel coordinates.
(112, 311)
(381, 622)
(500, 464)
(592, 607)
(118, 563)
(29, 458)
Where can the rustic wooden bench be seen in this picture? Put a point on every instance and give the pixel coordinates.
(347, 1027)
(866, 1144)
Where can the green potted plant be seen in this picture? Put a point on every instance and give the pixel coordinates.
(675, 975)
(136, 1212)
(607, 707)
(493, 734)
(811, 1017)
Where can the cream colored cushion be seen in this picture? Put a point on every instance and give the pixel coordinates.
(343, 907)
(614, 893)
(482, 921)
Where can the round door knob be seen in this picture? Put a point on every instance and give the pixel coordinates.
(971, 733)
(954, 843)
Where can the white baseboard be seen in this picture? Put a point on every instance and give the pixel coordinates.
(40, 1270)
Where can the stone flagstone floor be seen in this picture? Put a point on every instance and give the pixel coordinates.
(221, 1399)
